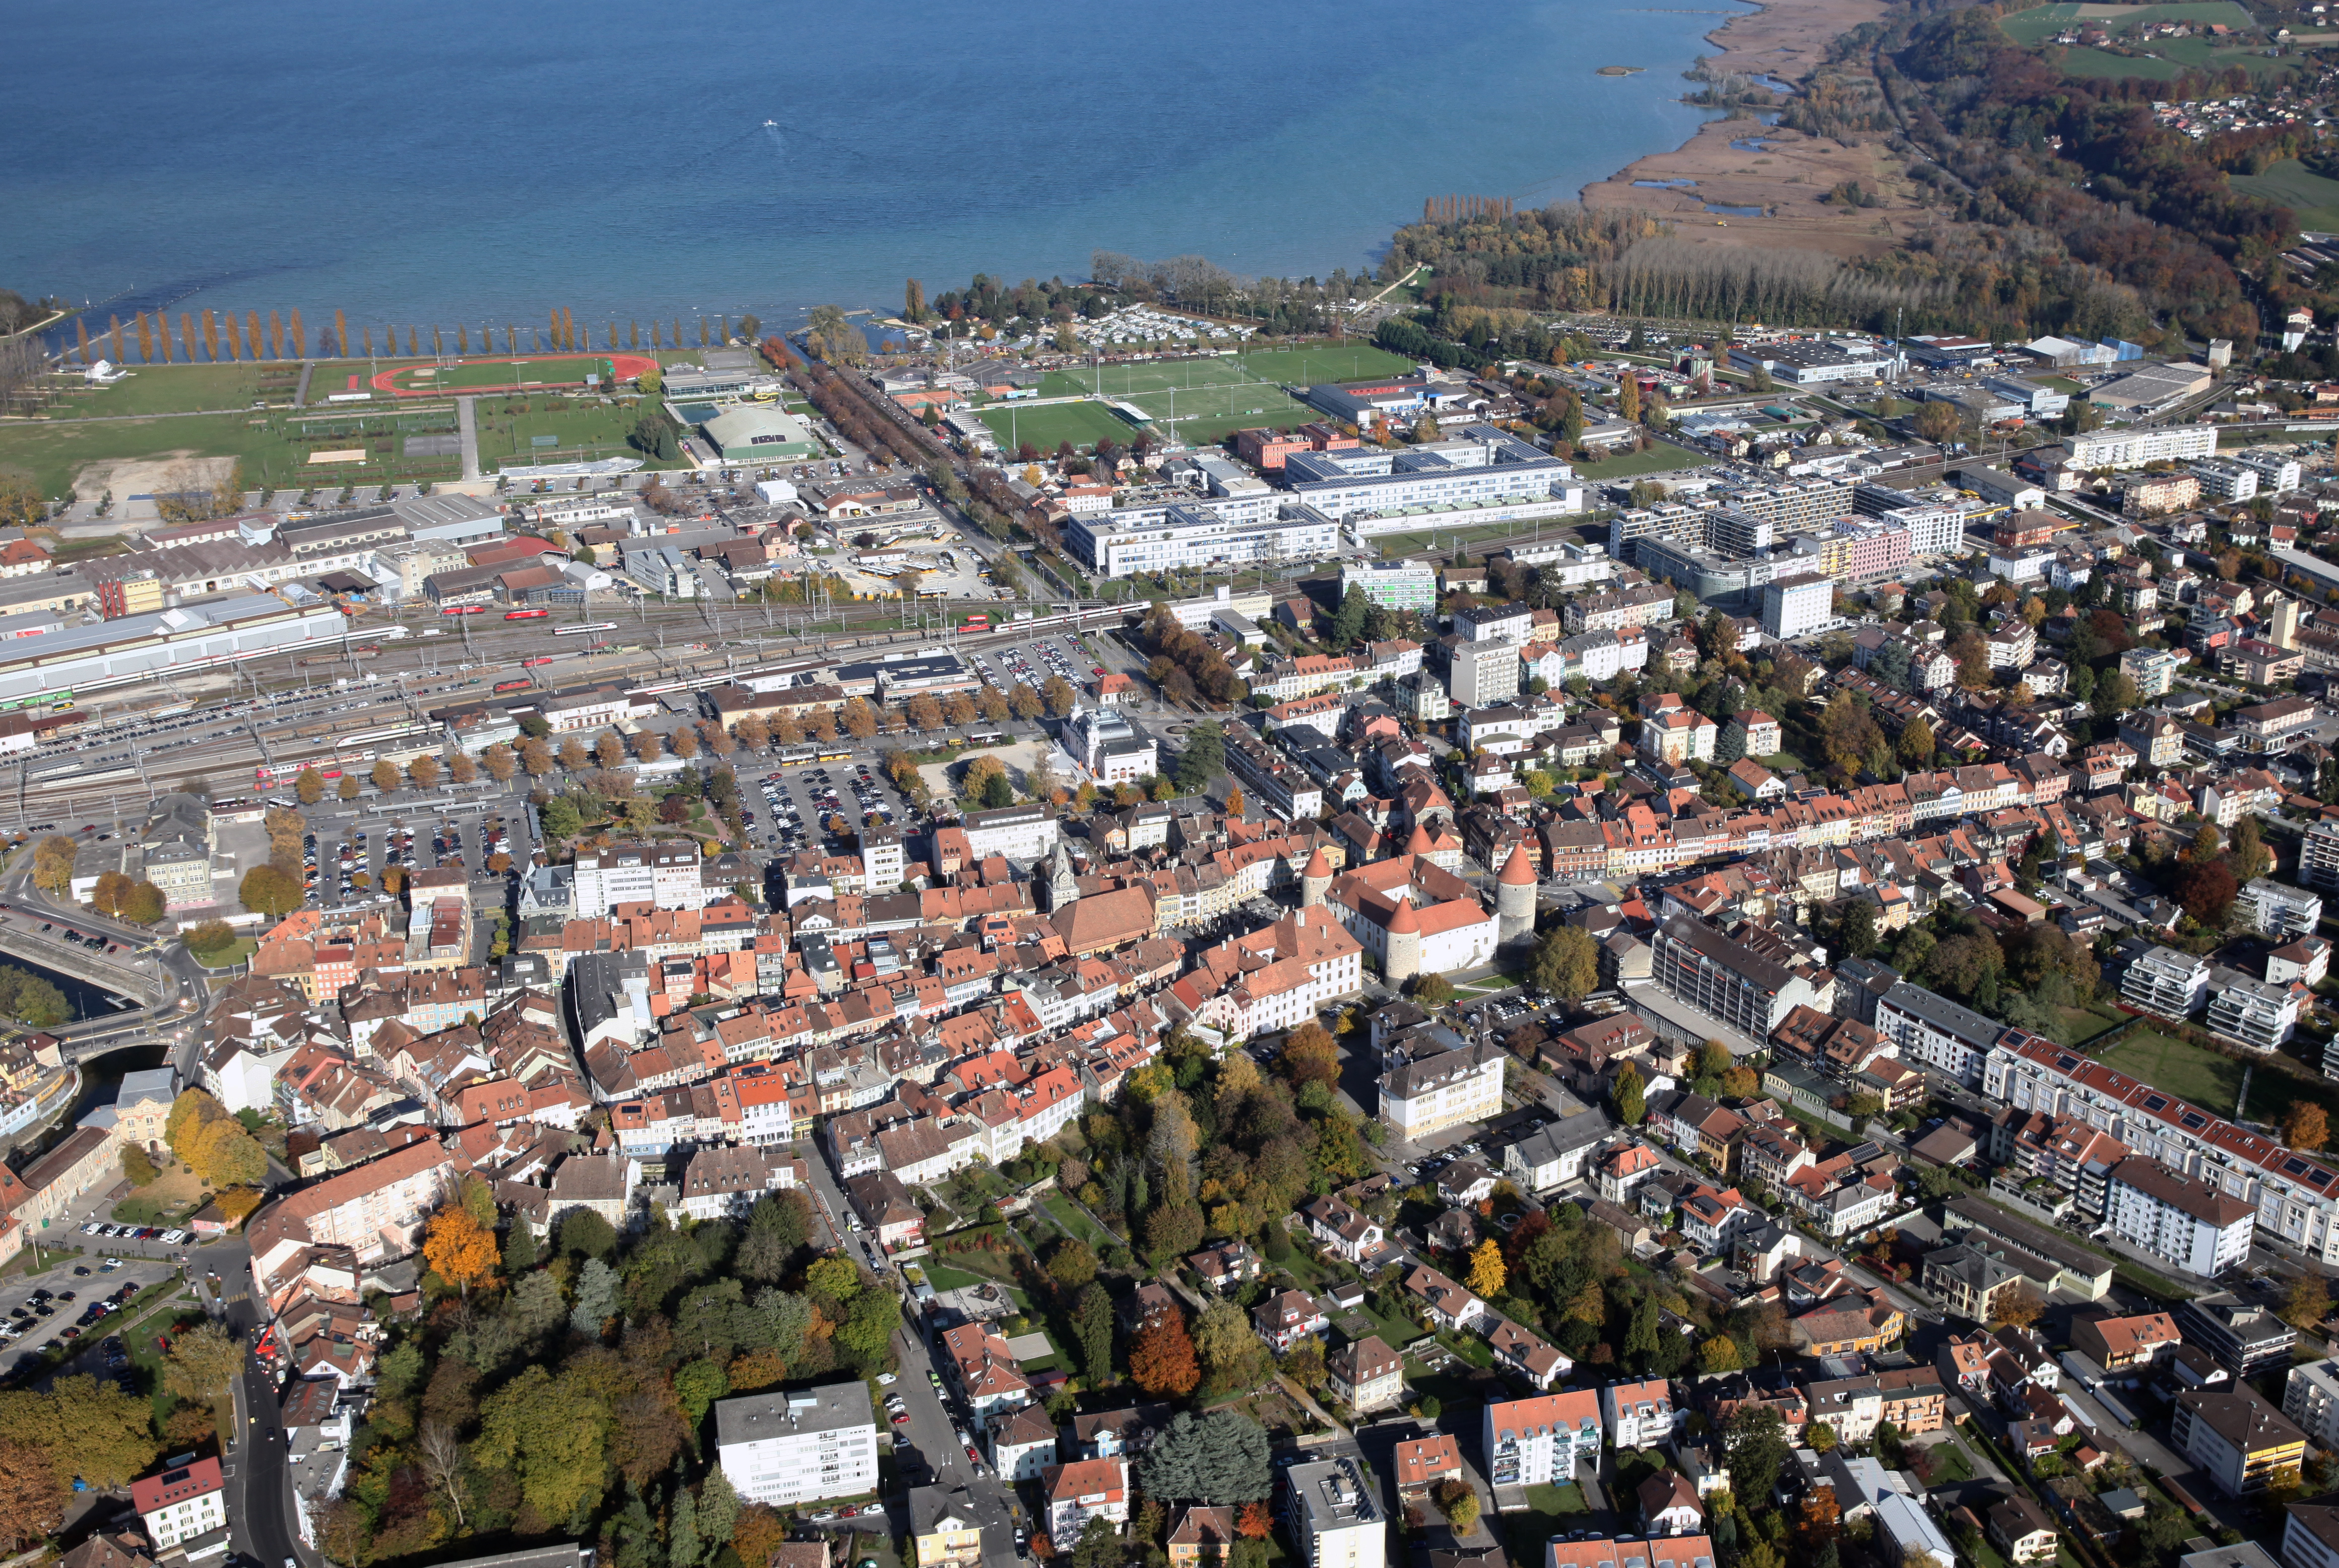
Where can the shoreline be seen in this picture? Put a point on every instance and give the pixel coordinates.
(1781, 40)
(1747, 183)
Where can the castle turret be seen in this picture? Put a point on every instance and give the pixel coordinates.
(1418, 841)
(1403, 959)
(1315, 880)
(1514, 898)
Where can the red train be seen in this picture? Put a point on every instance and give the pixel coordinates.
(526, 614)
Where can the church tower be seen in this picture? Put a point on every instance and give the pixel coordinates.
(1062, 886)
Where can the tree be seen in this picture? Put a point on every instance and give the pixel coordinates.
(146, 905)
(112, 888)
(1630, 1097)
(53, 863)
(2305, 1127)
(2307, 1302)
(223, 1154)
(1092, 1328)
(1220, 1460)
(32, 1490)
(1915, 746)
(385, 776)
(1486, 1274)
(1072, 1264)
(1755, 1449)
(460, 1249)
(137, 1167)
(211, 936)
(2250, 856)
(2206, 890)
(1161, 1359)
(1432, 990)
(1821, 1437)
(203, 1363)
(423, 771)
(309, 786)
(265, 889)
(95, 1430)
(1310, 1055)
(1203, 757)
(1566, 963)
(548, 1431)
(1856, 931)
(2019, 1307)
(1023, 702)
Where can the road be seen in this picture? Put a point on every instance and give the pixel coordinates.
(260, 1506)
(931, 1430)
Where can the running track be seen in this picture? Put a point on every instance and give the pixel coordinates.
(626, 368)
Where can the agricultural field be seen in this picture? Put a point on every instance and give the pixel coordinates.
(2041, 23)
(2311, 199)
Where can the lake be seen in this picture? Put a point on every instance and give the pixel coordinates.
(430, 162)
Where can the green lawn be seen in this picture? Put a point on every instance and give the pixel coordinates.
(1074, 1219)
(2311, 199)
(1547, 1510)
(1204, 401)
(581, 429)
(2082, 1024)
(234, 953)
(2043, 22)
(1657, 460)
(182, 389)
(2172, 57)
(2207, 1078)
(1082, 424)
(481, 372)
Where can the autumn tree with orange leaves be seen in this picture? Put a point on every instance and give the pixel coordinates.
(1161, 1359)
(460, 1249)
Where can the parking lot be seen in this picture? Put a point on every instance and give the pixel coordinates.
(1034, 662)
(818, 807)
(59, 1306)
(344, 845)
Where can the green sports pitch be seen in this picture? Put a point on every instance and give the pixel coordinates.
(1201, 400)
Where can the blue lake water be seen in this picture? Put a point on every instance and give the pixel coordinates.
(432, 162)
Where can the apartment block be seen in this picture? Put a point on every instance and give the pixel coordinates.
(799, 1446)
(2245, 1443)
(1538, 1442)
(2164, 980)
(2182, 1220)
(1333, 1517)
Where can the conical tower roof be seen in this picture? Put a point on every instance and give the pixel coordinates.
(1419, 842)
(1404, 922)
(1516, 871)
(1318, 869)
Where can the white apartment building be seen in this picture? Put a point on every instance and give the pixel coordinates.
(2311, 1398)
(1538, 1442)
(2134, 446)
(1232, 530)
(1639, 1415)
(799, 1446)
(2164, 980)
(1433, 1092)
(662, 874)
(2179, 1219)
(2280, 912)
(1797, 607)
(2257, 1014)
(881, 860)
(2295, 1195)
(181, 1503)
(1019, 833)
(1333, 1517)
(1936, 1032)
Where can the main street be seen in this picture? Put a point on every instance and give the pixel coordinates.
(933, 1433)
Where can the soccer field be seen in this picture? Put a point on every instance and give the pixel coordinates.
(508, 373)
(1051, 424)
(1200, 401)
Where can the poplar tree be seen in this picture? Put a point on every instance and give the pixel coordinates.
(80, 330)
(913, 300)
(257, 345)
(113, 330)
(462, 339)
(146, 340)
(300, 335)
(211, 336)
(437, 344)
(341, 334)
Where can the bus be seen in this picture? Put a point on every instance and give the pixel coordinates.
(986, 738)
(976, 622)
(526, 614)
(792, 756)
(835, 752)
(520, 685)
(588, 626)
